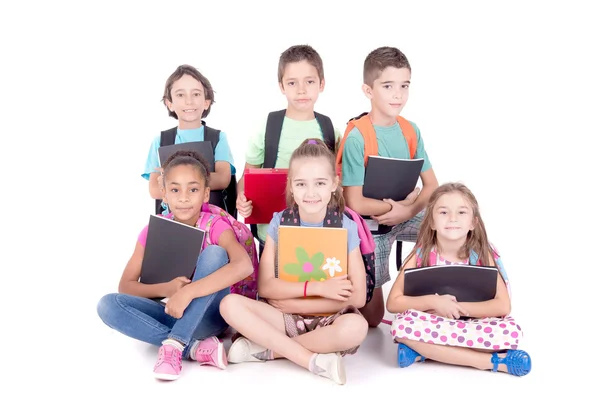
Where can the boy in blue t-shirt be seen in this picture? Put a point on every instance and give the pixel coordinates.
(188, 97)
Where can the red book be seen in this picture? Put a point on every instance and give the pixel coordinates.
(266, 188)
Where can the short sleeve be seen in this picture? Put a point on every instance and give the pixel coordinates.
(152, 159)
(273, 228)
(421, 153)
(217, 228)
(255, 149)
(143, 236)
(353, 160)
(352, 228)
(223, 151)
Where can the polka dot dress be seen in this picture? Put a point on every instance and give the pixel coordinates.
(484, 333)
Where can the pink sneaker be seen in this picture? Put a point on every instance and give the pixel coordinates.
(168, 365)
(211, 351)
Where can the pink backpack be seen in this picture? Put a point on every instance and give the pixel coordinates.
(367, 249)
(249, 286)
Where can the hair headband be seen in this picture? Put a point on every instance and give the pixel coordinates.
(312, 141)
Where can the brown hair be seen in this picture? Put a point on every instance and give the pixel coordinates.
(182, 70)
(381, 58)
(186, 157)
(315, 148)
(477, 239)
(300, 53)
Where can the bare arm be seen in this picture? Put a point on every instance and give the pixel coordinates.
(430, 183)
(397, 302)
(129, 283)
(154, 186)
(363, 205)
(358, 298)
(220, 179)
(499, 306)
(240, 184)
(238, 268)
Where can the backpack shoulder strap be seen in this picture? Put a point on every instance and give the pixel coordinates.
(272, 135)
(211, 135)
(290, 217)
(167, 137)
(327, 130)
(333, 218)
(409, 134)
(473, 258)
(352, 123)
(366, 129)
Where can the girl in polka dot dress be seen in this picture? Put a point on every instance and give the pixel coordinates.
(430, 326)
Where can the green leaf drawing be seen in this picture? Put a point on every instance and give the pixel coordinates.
(302, 255)
(293, 269)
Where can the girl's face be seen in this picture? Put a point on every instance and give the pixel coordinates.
(453, 217)
(312, 184)
(185, 191)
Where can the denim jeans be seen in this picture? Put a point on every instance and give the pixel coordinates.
(144, 319)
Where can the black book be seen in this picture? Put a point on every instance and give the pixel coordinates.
(389, 178)
(204, 148)
(468, 283)
(172, 250)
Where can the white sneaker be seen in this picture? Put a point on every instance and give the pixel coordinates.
(331, 366)
(243, 350)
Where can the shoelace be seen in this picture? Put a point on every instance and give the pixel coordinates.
(171, 356)
(204, 355)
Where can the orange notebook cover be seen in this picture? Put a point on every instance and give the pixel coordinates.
(311, 254)
(266, 188)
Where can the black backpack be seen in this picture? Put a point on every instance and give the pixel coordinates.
(225, 198)
(273, 134)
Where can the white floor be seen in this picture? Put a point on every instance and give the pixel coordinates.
(114, 361)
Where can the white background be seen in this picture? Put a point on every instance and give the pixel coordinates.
(506, 97)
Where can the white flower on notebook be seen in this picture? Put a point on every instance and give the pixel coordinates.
(333, 265)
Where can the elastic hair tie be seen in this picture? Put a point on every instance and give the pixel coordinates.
(312, 141)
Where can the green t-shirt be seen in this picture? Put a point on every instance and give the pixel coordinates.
(293, 133)
(390, 143)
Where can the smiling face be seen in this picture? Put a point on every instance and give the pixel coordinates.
(188, 102)
(389, 93)
(312, 184)
(185, 192)
(452, 217)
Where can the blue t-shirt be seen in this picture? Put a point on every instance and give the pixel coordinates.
(353, 239)
(222, 151)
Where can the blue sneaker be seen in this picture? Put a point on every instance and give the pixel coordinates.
(407, 356)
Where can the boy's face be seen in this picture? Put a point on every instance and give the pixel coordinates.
(189, 101)
(301, 85)
(389, 93)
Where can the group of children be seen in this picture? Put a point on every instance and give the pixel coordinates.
(313, 324)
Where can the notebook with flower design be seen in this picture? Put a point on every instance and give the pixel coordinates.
(311, 253)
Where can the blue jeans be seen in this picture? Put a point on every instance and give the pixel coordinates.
(144, 319)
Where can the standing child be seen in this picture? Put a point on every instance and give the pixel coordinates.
(301, 79)
(285, 324)
(188, 97)
(428, 326)
(386, 77)
(189, 323)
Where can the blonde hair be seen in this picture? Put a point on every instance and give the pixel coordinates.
(477, 239)
(314, 148)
